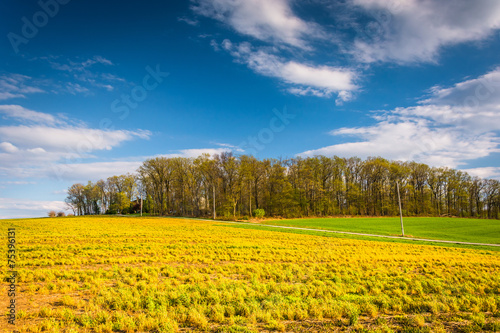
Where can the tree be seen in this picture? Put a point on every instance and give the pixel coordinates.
(75, 199)
(229, 170)
(158, 172)
(210, 172)
(121, 203)
(235, 186)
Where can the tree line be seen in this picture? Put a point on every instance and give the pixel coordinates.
(229, 186)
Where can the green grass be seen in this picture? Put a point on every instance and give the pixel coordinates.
(486, 249)
(439, 228)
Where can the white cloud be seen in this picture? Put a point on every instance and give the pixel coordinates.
(472, 105)
(265, 20)
(100, 60)
(108, 87)
(214, 45)
(199, 152)
(83, 75)
(23, 208)
(67, 138)
(322, 77)
(228, 146)
(75, 88)
(404, 32)
(52, 148)
(33, 150)
(8, 95)
(414, 139)
(37, 151)
(83, 172)
(8, 147)
(320, 81)
(59, 192)
(51, 134)
(112, 77)
(188, 20)
(86, 74)
(416, 30)
(274, 22)
(445, 133)
(78, 65)
(22, 204)
(25, 162)
(20, 113)
(17, 86)
(474, 93)
(101, 170)
(71, 167)
(485, 173)
(473, 120)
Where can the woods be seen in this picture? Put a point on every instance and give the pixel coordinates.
(229, 186)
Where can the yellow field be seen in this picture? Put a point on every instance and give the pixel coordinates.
(105, 274)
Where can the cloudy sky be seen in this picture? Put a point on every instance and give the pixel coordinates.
(89, 89)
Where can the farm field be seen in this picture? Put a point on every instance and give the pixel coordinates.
(123, 274)
(439, 228)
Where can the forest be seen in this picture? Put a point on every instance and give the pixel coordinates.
(227, 186)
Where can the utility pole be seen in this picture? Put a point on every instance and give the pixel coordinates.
(250, 198)
(214, 200)
(400, 212)
(141, 204)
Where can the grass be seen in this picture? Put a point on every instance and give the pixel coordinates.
(124, 274)
(320, 233)
(439, 228)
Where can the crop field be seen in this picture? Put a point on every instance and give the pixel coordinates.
(123, 274)
(442, 228)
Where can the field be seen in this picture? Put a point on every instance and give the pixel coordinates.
(118, 274)
(442, 228)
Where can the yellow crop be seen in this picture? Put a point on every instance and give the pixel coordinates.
(105, 274)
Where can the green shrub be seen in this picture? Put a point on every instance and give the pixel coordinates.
(259, 213)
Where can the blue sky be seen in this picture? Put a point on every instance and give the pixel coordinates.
(90, 89)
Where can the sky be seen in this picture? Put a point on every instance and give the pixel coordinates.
(90, 89)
